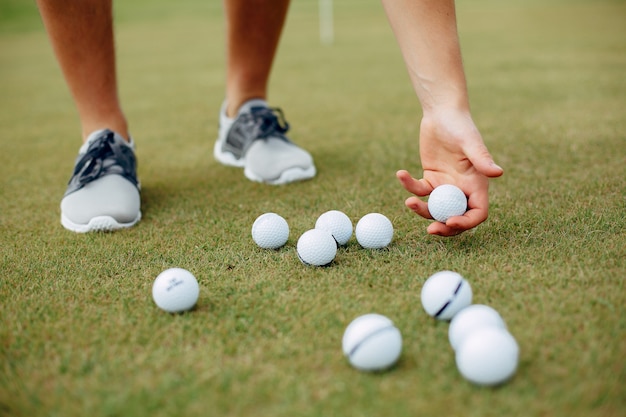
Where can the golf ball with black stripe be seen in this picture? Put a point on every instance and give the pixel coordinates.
(372, 343)
(444, 294)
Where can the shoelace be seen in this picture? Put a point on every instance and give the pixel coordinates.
(92, 164)
(267, 122)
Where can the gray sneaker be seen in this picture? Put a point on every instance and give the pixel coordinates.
(255, 140)
(103, 193)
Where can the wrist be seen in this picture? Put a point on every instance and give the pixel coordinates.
(454, 123)
(451, 100)
(446, 110)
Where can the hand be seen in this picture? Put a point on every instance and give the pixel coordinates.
(452, 152)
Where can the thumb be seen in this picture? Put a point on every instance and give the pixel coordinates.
(481, 159)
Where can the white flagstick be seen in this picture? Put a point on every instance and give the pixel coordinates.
(327, 32)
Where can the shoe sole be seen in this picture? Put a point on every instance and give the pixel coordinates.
(227, 158)
(286, 177)
(98, 224)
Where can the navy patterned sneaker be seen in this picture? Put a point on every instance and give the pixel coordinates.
(103, 193)
(255, 140)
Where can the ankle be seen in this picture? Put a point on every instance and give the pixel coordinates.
(233, 104)
(118, 126)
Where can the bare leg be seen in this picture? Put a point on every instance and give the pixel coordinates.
(81, 33)
(253, 32)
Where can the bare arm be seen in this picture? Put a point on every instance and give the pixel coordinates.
(451, 147)
(427, 35)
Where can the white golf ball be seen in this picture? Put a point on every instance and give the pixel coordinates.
(372, 343)
(488, 357)
(270, 231)
(337, 223)
(447, 201)
(316, 247)
(444, 294)
(175, 290)
(471, 319)
(374, 231)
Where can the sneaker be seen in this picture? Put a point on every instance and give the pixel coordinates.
(255, 140)
(103, 193)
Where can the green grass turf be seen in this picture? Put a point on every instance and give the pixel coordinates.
(80, 334)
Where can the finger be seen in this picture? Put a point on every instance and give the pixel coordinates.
(478, 205)
(470, 219)
(418, 187)
(481, 159)
(441, 229)
(418, 206)
(454, 226)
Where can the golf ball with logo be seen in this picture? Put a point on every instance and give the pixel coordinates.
(270, 231)
(337, 223)
(374, 231)
(444, 294)
(372, 343)
(175, 290)
(447, 201)
(316, 247)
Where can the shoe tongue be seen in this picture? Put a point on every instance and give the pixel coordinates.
(250, 104)
(95, 136)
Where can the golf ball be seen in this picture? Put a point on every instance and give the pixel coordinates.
(337, 223)
(471, 319)
(374, 231)
(316, 247)
(372, 343)
(270, 231)
(447, 201)
(444, 294)
(175, 290)
(488, 357)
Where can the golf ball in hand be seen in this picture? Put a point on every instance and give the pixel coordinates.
(374, 231)
(175, 290)
(316, 247)
(488, 357)
(270, 231)
(372, 343)
(447, 201)
(444, 294)
(471, 319)
(337, 223)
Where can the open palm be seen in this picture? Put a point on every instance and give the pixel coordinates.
(452, 151)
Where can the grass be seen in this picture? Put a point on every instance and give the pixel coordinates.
(81, 335)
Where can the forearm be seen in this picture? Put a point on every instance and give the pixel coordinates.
(426, 32)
